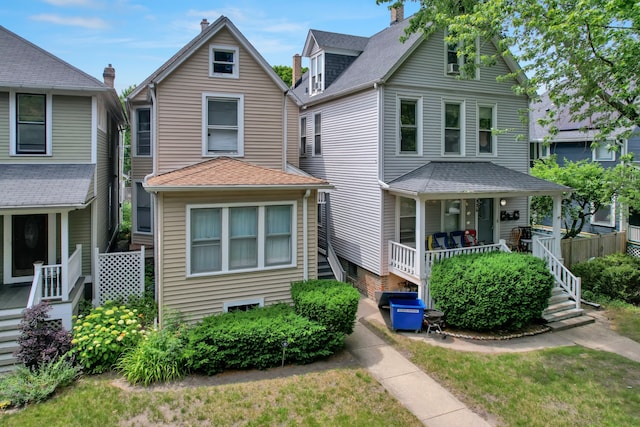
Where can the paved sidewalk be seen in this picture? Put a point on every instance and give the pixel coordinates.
(429, 401)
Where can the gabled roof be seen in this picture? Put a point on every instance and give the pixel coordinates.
(196, 43)
(23, 64)
(226, 173)
(333, 41)
(444, 179)
(53, 185)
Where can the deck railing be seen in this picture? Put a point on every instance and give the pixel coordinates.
(402, 260)
(50, 284)
(633, 234)
(564, 277)
(437, 255)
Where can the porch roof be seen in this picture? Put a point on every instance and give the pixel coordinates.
(51, 185)
(441, 179)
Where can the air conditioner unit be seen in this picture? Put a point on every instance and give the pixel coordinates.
(453, 69)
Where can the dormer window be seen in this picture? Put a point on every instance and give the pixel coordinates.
(317, 74)
(223, 61)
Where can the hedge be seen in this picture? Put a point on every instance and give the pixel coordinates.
(614, 277)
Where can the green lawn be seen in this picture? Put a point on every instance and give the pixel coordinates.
(625, 319)
(338, 397)
(568, 386)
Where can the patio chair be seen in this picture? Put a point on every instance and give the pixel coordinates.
(514, 239)
(457, 238)
(439, 241)
(470, 237)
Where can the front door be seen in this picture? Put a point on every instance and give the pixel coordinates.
(29, 243)
(485, 221)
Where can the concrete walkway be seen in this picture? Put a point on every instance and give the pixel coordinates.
(427, 399)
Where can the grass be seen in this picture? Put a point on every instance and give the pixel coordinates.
(338, 397)
(565, 386)
(625, 319)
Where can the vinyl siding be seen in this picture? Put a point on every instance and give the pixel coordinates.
(141, 167)
(4, 125)
(197, 297)
(1, 245)
(80, 233)
(349, 161)
(103, 173)
(293, 134)
(179, 110)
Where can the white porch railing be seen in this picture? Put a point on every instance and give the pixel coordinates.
(50, 284)
(633, 234)
(564, 277)
(433, 256)
(402, 261)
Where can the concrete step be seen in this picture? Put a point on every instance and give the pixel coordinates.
(562, 315)
(571, 322)
(556, 290)
(559, 306)
(558, 298)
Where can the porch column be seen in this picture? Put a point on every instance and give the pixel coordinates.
(420, 249)
(557, 222)
(64, 248)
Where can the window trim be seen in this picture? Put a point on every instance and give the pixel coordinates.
(399, 218)
(205, 123)
(316, 133)
(462, 122)
(461, 61)
(419, 140)
(224, 239)
(134, 209)
(236, 61)
(594, 153)
(302, 133)
(13, 124)
(226, 305)
(612, 219)
(443, 213)
(494, 137)
(313, 90)
(134, 131)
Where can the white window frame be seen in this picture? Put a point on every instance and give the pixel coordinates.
(493, 136)
(317, 132)
(13, 126)
(205, 123)
(612, 216)
(302, 147)
(236, 61)
(134, 209)
(461, 214)
(607, 145)
(399, 217)
(460, 61)
(224, 238)
(418, 101)
(134, 131)
(462, 122)
(226, 305)
(316, 86)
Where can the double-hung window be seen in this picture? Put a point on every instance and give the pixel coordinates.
(317, 134)
(223, 61)
(605, 216)
(223, 124)
(303, 136)
(409, 123)
(142, 203)
(486, 139)
(604, 153)
(225, 239)
(317, 72)
(31, 123)
(143, 131)
(453, 129)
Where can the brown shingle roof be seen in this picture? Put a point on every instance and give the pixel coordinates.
(228, 172)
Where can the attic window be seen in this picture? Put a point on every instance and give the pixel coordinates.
(317, 74)
(223, 61)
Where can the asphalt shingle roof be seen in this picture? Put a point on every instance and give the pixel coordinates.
(327, 40)
(471, 178)
(24, 64)
(31, 185)
(224, 172)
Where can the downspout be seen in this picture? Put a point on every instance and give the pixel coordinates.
(305, 237)
(284, 131)
(154, 151)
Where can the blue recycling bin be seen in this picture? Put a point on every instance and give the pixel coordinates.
(406, 314)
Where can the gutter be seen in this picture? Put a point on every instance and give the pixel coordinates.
(161, 188)
(305, 237)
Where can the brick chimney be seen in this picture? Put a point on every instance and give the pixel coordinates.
(397, 14)
(296, 70)
(204, 24)
(109, 75)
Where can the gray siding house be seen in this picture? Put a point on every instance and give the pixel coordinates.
(412, 149)
(59, 142)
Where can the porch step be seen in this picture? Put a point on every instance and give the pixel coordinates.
(9, 333)
(324, 269)
(562, 315)
(563, 305)
(571, 322)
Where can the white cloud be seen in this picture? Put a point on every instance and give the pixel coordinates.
(88, 3)
(72, 21)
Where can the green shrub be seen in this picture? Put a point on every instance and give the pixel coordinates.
(254, 339)
(28, 386)
(614, 277)
(159, 355)
(100, 337)
(145, 306)
(491, 291)
(329, 302)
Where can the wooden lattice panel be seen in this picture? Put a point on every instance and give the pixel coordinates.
(633, 250)
(119, 275)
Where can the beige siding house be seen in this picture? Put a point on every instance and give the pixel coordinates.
(217, 193)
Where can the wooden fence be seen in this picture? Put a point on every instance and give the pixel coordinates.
(582, 248)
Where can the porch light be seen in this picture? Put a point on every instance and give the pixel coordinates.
(503, 202)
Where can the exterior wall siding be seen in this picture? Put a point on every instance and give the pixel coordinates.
(2, 219)
(101, 204)
(349, 161)
(179, 110)
(80, 233)
(197, 297)
(293, 134)
(4, 125)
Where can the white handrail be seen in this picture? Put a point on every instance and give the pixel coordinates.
(564, 277)
(75, 268)
(402, 258)
(335, 265)
(36, 285)
(440, 254)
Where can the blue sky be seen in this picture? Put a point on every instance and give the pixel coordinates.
(137, 36)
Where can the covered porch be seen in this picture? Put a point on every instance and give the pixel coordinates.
(449, 198)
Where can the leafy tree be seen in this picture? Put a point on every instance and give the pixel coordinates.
(126, 138)
(584, 52)
(285, 72)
